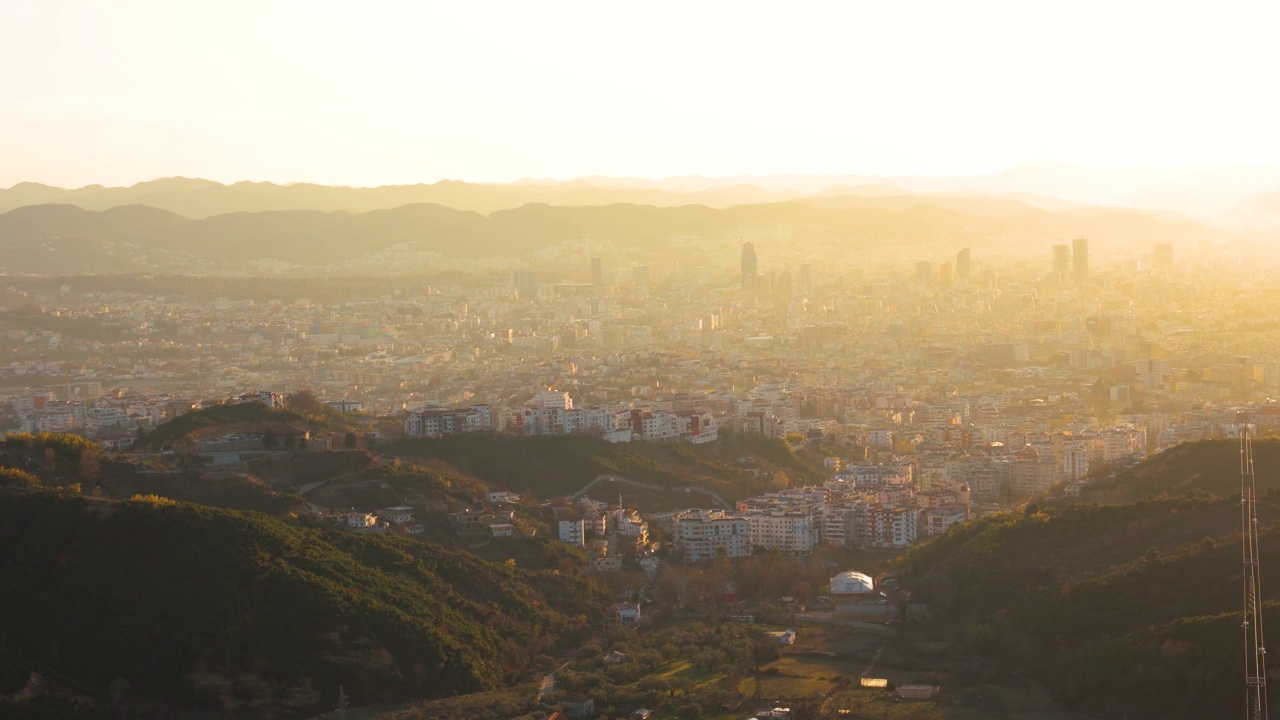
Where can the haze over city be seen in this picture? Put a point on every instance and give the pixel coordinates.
(412, 361)
(399, 93)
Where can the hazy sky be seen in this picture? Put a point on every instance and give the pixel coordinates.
(366, 93)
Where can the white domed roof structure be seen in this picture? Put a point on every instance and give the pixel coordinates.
(851, 583)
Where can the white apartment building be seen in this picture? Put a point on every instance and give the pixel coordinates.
(1075, 460)
(573, 531)
(552, 400)
(707, 534)
(100, 418)
(842, 524)
(794, 532)
(435, 422)
(890, 526)
(937, 520)
(1122, 443)
(862, 475)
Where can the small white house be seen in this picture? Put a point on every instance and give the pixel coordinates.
(361, 520)
(626, 613)
(496, 497)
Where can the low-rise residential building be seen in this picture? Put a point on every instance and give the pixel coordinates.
(573, 531)
(624, 613)
(361, 519)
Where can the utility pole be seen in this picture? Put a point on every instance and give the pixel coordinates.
(1255, 651)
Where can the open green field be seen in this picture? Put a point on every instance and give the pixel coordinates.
(683, 669)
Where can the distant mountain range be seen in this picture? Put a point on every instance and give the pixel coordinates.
(1232, 196)
(64, 238)
(1211, 193)
(196, 198)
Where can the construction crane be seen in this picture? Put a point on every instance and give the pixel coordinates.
(1255, 651)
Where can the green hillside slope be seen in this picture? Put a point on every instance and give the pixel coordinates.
(1075, 593)
(556, 465)
(212, 608)
(1207, 466)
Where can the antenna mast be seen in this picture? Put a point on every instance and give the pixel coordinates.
(1255, 651)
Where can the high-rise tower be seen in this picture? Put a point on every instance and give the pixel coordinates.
(804, 278)
(924, 272)
(945, 274)
(962, 264)
(1080, 259)
(597, 272)
(1061, 260)
(750, 270)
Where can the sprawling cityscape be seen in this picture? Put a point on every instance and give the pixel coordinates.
(497, 361)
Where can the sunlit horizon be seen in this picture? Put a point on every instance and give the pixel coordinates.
(404, 93)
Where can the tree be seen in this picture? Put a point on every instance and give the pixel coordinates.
(19, 478)
(351, 441)
(289, 441)
(269, 439)
(303, 401)
(802, 591)
(90, 465)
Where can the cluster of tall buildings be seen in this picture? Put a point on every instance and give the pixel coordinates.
(1072, 260)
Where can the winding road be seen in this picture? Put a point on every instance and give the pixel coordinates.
(651, 486)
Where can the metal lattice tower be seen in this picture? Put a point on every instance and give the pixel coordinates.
(1255, 651)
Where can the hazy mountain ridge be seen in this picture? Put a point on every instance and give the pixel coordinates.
(196, 198)
(1209, 193)
(1218, 194)
(57, 239)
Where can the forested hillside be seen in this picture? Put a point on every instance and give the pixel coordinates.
(1124, 610)
(198, 607)
(1209, 467)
